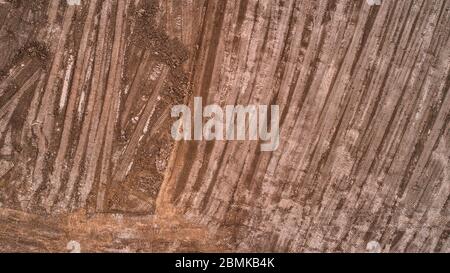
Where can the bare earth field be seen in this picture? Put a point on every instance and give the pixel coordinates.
(86, 152)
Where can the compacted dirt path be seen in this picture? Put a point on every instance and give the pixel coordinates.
(86, 154)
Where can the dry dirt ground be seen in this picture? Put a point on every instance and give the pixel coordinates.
(86, 153)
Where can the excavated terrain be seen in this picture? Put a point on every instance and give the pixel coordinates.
(87, 156)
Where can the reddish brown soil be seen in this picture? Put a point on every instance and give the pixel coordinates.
(86, 152)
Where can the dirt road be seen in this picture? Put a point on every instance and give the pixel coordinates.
(86, 152)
